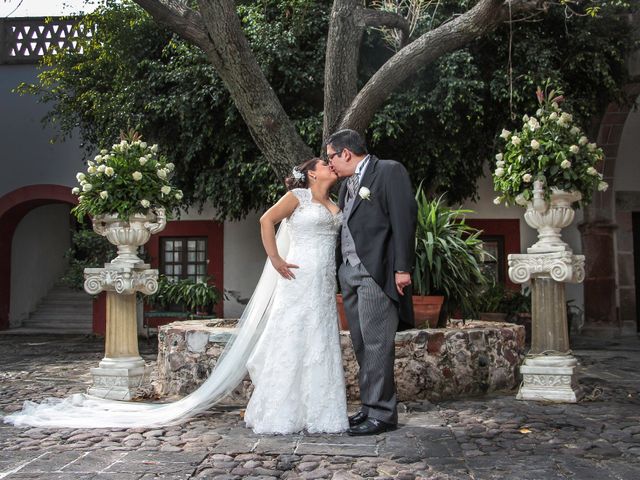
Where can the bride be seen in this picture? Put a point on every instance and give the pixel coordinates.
(287, 338)
(296, 367)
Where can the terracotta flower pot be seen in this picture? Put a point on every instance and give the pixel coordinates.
(342, 317)
(426, 310)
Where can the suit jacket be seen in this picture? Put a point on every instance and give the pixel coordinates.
(383, 229)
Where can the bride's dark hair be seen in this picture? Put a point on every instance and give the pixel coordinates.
(299, 178)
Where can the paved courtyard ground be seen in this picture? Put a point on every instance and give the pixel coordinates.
(491, 437)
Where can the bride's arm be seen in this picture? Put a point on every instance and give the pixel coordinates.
(281, 210)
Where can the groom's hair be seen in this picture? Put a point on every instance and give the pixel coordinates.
(349, 139)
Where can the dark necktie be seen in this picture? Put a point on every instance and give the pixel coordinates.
(353, 182)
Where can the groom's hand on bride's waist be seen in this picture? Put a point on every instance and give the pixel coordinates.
(403, 279)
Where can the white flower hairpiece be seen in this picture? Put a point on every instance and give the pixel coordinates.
(297, 174)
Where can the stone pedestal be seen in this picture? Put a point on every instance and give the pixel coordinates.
(122, 370)
(549, 378)
(549, 368)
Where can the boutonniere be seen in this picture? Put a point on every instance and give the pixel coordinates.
(364, 193)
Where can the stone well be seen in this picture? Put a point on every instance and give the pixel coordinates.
(432, 364)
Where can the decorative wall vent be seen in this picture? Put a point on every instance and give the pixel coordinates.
(26, 40)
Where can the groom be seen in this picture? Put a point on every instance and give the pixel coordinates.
(375, 258)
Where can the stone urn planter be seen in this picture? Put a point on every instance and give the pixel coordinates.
(129, 234)
(550, 217)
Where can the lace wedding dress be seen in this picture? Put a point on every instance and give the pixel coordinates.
(296, 367)
(296, 364)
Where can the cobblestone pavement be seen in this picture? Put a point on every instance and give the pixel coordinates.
(492, 437)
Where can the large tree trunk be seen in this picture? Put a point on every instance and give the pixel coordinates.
(346, 26)
(341, 63)
(216, 29)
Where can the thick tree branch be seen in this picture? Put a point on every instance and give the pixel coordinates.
(368, 17)
(341, 62)
(231, 55)
(179, 18)
(229, 52)
(484, 17)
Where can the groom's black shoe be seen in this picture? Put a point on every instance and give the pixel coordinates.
(357, 418)
(371, 426)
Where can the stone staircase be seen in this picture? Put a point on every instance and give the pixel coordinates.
(62, 311)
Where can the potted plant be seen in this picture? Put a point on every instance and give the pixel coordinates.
(547, 167)
(498, 303)
(493, 303)
(198, 297)
(447, 262)
(127, 191)
(178, 300)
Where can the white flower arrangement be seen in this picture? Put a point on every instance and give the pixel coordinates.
(364, 193)
(549, 148)
(129, 178)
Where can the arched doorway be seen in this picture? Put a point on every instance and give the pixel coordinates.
(607, 236)
(13, 208)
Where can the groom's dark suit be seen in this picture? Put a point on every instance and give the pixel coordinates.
(383, 230)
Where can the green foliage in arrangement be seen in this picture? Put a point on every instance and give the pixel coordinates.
(131, 178)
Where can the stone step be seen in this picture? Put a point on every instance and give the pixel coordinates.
(47, 327)
(54, 312)
(46, 331)
(61, 313)
(66, 291)
(59, 321)
(67, 300)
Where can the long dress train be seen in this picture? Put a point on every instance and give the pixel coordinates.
(85, 411)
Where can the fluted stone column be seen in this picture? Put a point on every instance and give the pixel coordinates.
(550, 330)
(549, 369)
(122, 370)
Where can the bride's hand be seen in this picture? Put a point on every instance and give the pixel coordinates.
(283, 268)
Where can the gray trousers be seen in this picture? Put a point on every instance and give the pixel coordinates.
(373, 321)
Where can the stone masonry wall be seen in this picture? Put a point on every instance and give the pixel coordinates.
(432, 364)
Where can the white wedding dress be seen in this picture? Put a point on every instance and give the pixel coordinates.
(296, 367)
(287, 336)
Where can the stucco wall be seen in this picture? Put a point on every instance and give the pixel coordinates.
(28, 157)
(244, 258)
(37, 261)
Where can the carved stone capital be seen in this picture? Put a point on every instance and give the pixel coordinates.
(560, 266)
(122, 280)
